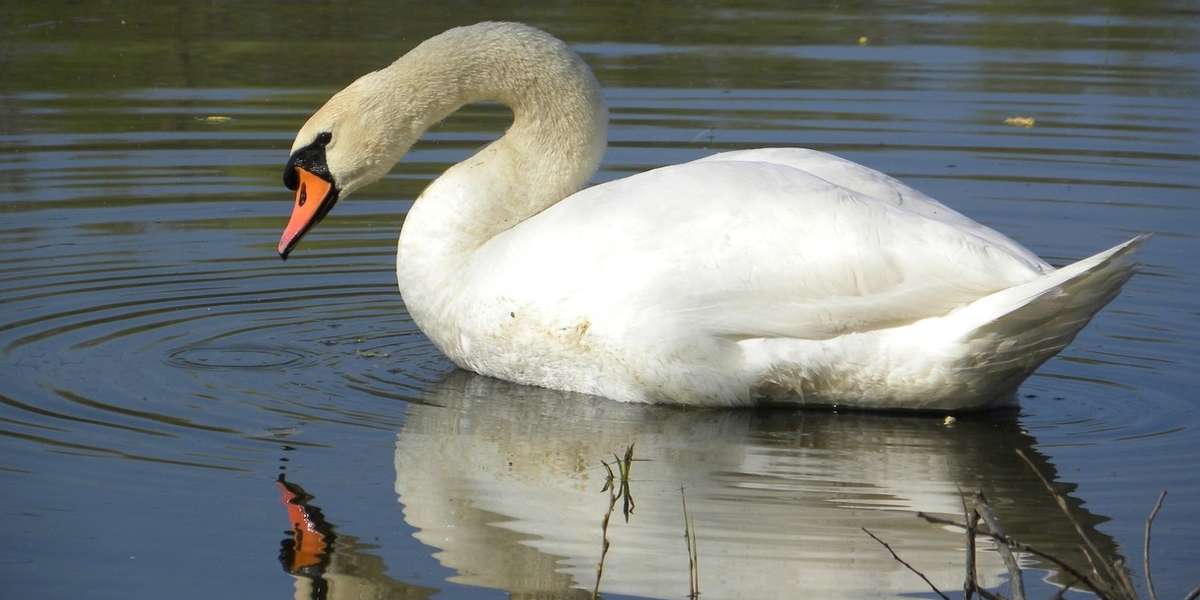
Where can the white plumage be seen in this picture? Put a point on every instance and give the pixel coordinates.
(781, 274)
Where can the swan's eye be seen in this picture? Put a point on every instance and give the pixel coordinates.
(324, 138)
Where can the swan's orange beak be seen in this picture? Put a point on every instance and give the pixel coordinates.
(314, 198)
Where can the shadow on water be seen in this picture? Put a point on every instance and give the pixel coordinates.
(505, 481)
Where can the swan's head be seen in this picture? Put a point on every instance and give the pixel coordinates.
(352, 141)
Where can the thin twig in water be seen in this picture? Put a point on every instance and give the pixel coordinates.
(617, 489)
(1100, 592)
(612, 504)
(1091, 563)
(689, 538)
(901, 561)
(1016, 583)
(986, 595)
(624, 465)
(1115, 578)
(1062, 592)
(1192, 595)
(1111, 571)
(695, 557)
(1146, 545)
(1123, 578)
(969, 584)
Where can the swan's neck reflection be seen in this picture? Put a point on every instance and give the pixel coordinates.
(504, 480)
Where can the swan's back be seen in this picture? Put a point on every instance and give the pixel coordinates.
(874, 184)
(751, 248)
(787, 274)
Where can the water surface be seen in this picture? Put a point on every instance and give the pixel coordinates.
(161, 369)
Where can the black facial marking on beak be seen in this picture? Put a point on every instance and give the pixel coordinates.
(317, 192)
(311, 158)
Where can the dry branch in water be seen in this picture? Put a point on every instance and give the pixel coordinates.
(1109, 581)
(970, 583)
(689, 538)
(984, 510)
(617, 490)
(1113, 576)
(1021, 547)
(612, 503)
(1146, 546)
(901, 561)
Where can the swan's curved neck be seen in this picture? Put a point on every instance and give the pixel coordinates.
(553, 146)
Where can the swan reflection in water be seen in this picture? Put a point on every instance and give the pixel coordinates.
(327, 565)
(504, 482)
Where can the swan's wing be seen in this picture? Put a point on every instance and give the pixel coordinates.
(742, 249)
(869, 182)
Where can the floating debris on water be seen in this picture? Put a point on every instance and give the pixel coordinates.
(863, 40)
(371, 353)
(949, 420)
(1025, 122)
(215, 119)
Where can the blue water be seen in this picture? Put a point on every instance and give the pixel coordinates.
(160, 368)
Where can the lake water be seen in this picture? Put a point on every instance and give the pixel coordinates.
(160, 368)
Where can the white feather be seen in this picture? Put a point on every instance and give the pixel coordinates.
(781, 274)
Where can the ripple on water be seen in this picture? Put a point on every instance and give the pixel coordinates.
(236, 357)
(100, 336)
(144, 317)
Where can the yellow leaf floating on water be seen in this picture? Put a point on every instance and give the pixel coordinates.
(950, 420)
(862, 41)
(1025, 122)
(215, 119)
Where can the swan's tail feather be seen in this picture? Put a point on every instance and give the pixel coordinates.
(973, 358)
(1017, 329)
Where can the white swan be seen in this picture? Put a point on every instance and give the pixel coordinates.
(779, 274)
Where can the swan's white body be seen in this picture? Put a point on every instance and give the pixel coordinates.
(785, 275)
